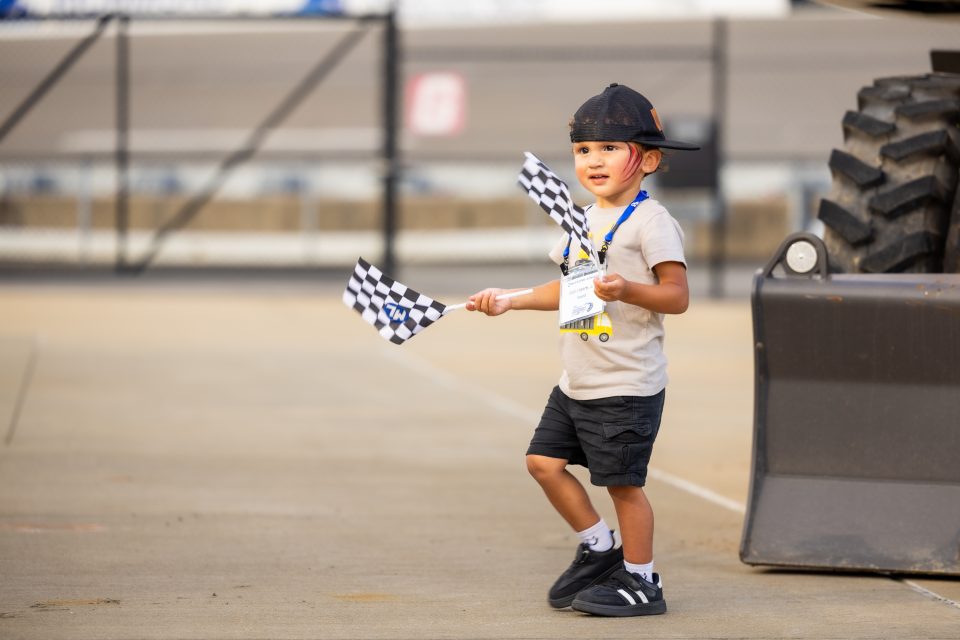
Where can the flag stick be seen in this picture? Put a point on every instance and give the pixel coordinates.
(504, 296)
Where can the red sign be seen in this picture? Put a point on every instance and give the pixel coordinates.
(436, 103)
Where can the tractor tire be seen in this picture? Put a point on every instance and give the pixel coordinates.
(895, 181)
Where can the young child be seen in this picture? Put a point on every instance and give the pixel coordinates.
(605, 412)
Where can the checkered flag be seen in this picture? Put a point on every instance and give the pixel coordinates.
(550, 192)
(394, 309)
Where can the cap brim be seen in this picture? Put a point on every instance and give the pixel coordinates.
(667, 144)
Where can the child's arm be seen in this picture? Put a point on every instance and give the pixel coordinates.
(670, 295)
(545, 297)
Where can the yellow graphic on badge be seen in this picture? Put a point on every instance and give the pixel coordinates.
(598, 325)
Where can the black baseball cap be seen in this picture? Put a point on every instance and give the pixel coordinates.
(623, 115)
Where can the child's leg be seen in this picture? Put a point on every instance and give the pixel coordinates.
(635, 516)
(635, 590)
(564, 491)
(596, 558)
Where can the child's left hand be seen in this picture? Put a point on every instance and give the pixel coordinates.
(610, 287)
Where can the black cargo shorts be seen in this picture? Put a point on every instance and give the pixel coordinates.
(612, 437)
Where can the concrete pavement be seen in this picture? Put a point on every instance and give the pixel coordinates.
(195, 463)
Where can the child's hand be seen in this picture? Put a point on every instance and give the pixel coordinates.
(610, 287)
(486, 301)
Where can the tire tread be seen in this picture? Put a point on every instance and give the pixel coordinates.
(865, 124)
(929, 143)
(907, 197)
(894, 203)
(845, 223)
(856, 170)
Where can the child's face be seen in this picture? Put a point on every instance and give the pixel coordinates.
(613, 171)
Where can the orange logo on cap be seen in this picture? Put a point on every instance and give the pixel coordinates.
(656, 119)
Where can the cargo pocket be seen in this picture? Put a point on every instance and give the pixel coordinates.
(629, 442)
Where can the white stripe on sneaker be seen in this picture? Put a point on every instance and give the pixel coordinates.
(629, 598)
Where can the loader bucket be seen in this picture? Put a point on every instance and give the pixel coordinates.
(856, 452)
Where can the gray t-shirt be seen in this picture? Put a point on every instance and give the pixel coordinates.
(631, 362)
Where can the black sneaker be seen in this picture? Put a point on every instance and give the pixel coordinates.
(623, 594)
(588, 568)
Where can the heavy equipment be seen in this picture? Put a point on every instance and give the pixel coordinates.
(856, 459)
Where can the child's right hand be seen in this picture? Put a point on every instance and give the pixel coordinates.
(486, 302)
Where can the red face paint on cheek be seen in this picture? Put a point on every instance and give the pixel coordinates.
(633, 162)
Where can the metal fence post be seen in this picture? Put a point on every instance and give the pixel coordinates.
(122, 150)
(718, 229)
(391, 169)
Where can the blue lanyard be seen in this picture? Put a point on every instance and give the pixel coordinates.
(608, 237)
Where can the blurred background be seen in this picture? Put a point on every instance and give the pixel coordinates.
(292, 137)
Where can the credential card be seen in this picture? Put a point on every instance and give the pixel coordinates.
(577, 299)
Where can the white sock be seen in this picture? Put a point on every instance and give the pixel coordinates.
(597, 537)
(645, 570)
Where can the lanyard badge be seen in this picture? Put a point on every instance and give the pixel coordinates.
(577, 297)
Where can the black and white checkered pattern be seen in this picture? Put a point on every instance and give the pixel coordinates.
(550, 192)
(394, 309)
